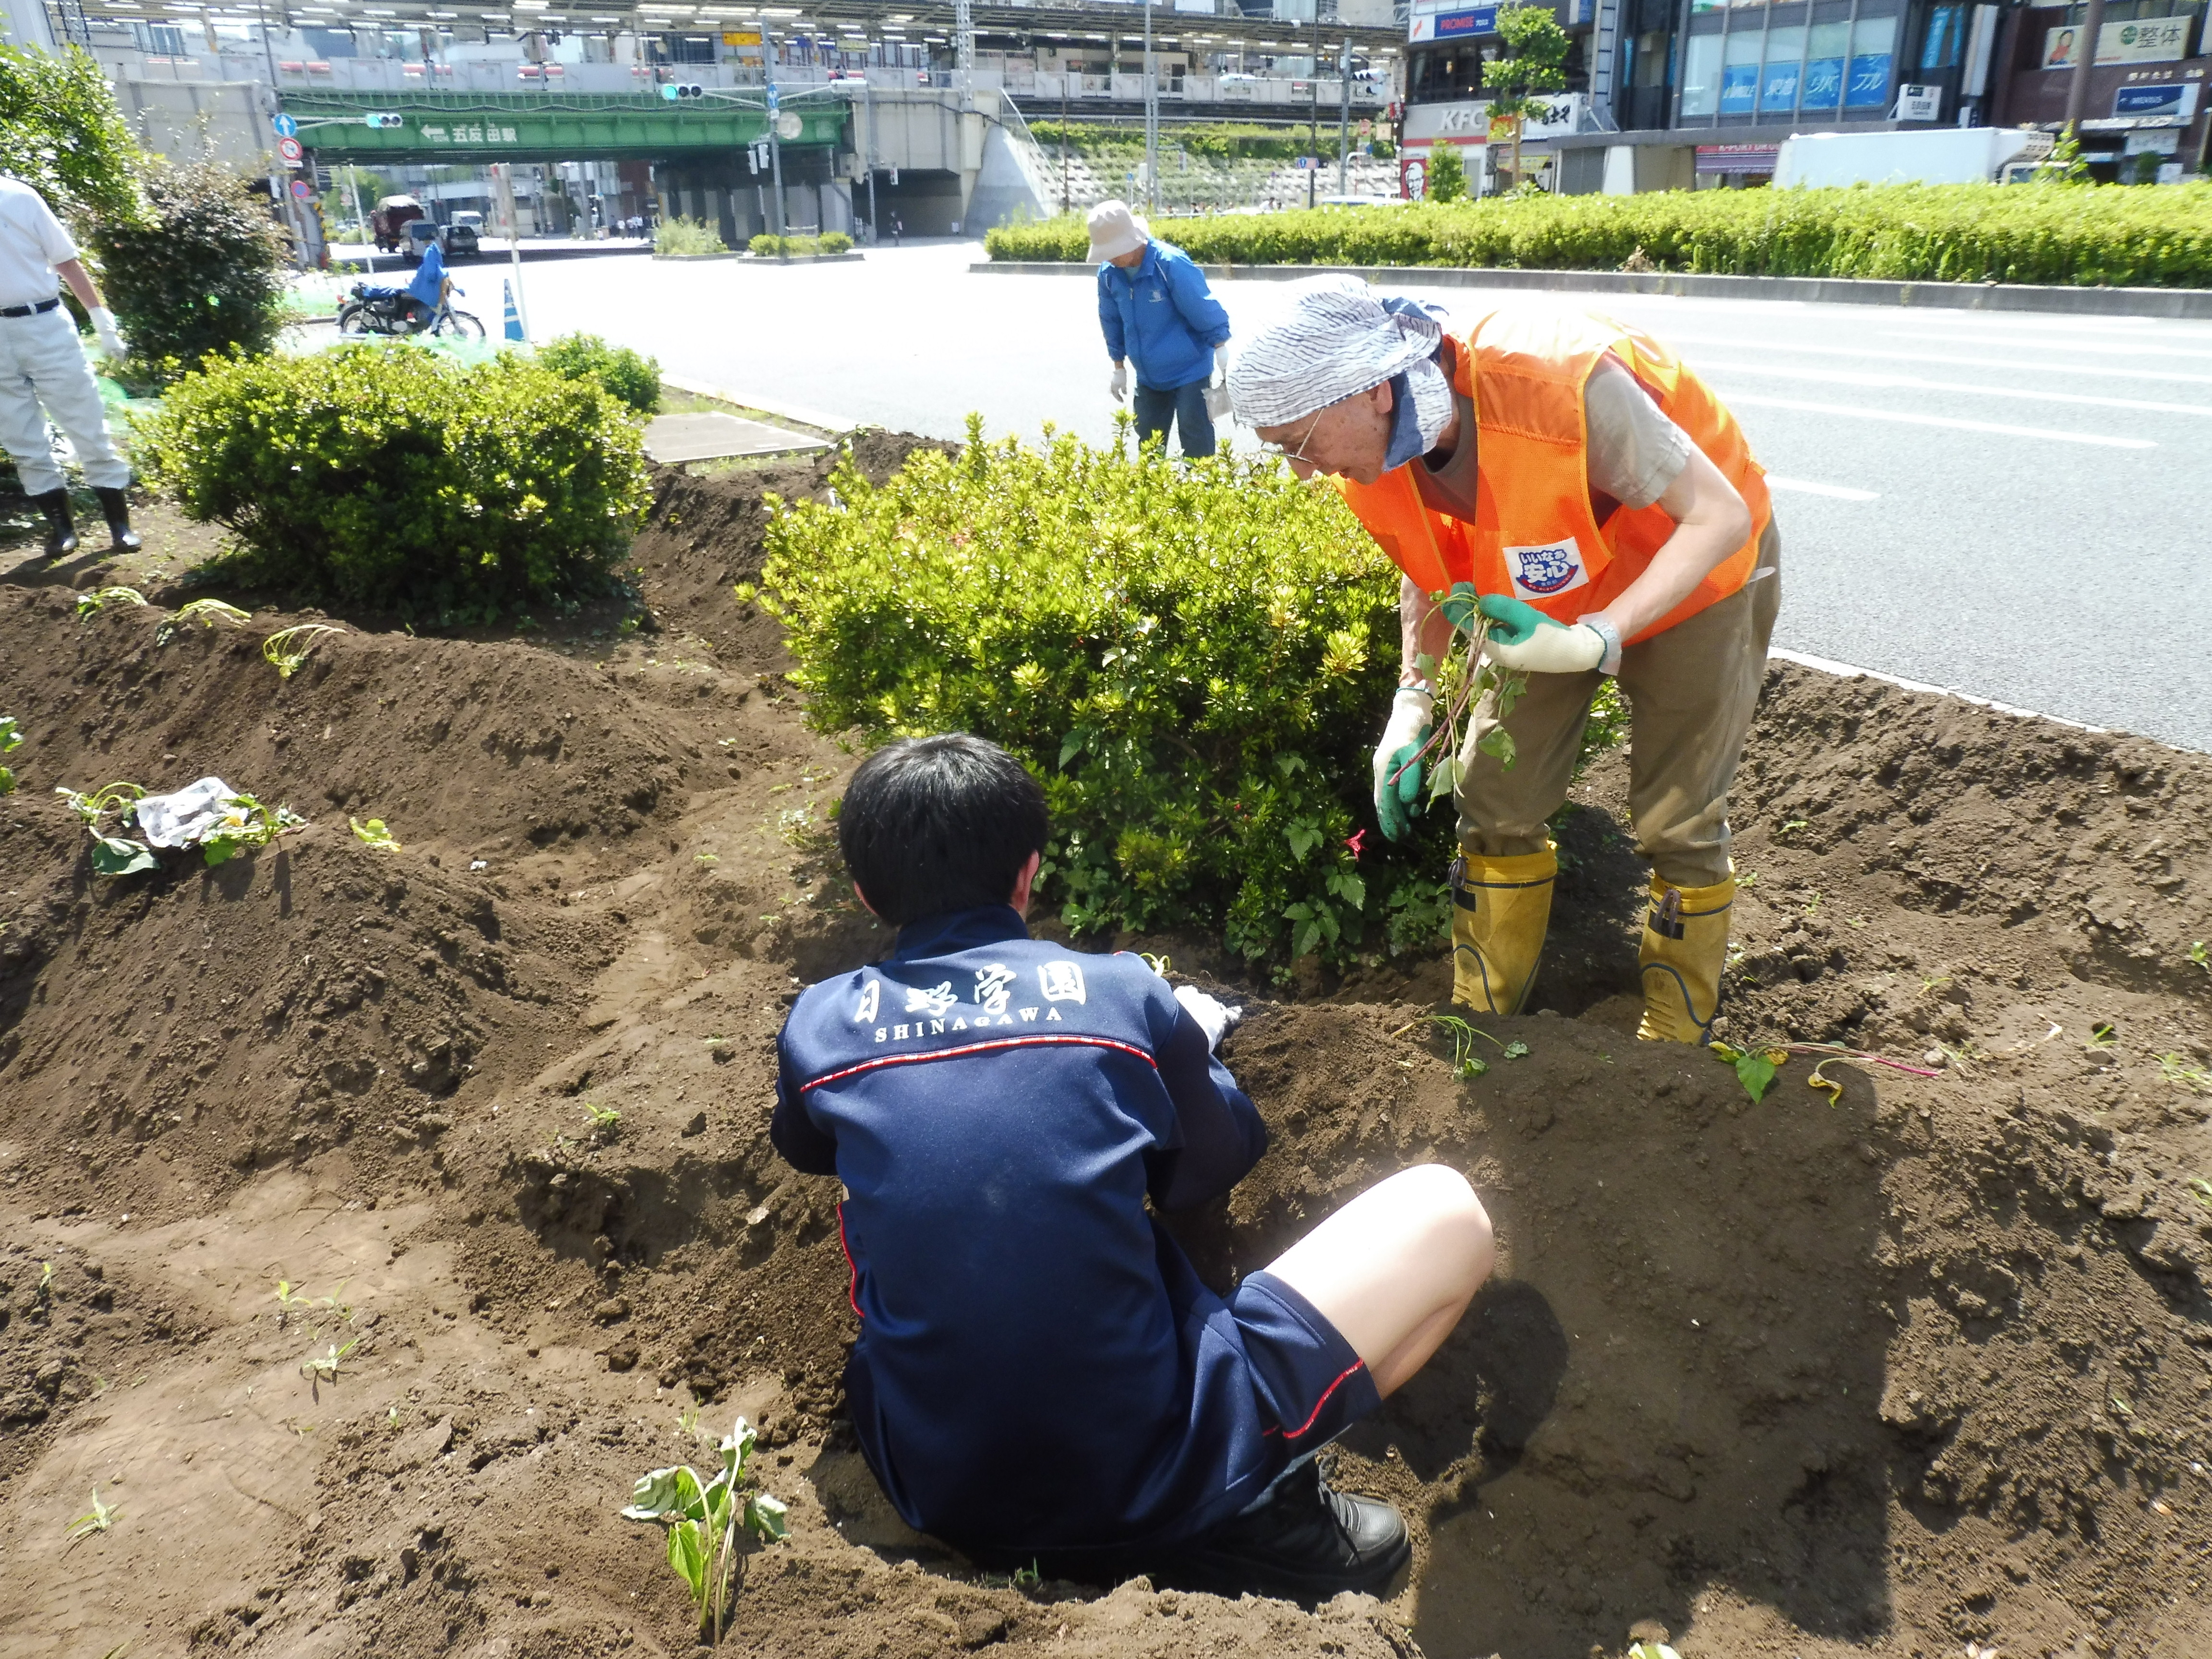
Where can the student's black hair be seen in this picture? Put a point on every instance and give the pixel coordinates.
(932, 825)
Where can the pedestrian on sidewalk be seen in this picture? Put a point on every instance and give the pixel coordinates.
(1599, 507)
(1156, 310)
(43, 371)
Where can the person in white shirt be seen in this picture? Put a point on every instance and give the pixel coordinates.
(41, 364)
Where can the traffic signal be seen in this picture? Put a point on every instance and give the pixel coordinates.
(690, 89)
(384, 121)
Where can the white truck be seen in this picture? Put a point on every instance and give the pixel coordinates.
(1936, 155)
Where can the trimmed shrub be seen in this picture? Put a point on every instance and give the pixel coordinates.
(636, 380)
(834, 241)
(388, 477)
(202, 271)
(1195, 657)
(800, 247)
(61, 133)
(2156, 238)
(681, 235)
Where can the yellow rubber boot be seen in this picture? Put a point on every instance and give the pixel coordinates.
(1500, 907)
(1685, 942)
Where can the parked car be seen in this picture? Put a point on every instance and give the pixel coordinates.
(461, 241)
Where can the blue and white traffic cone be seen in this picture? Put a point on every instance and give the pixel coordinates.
(514, 329)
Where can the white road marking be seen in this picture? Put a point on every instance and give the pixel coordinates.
(2122, 348)
(1914, 383)
(1805, 487)
(1676, 338)
(1907, 418)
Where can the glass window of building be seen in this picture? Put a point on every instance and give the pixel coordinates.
(1701, 75)
(1826, 47)
(1739, 60)
(1946, 35)
(1873, 51)
(1785, 68)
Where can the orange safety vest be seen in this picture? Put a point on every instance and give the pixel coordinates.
(1534, 534)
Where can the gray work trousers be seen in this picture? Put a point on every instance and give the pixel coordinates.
(1691, 692)
(42, 363)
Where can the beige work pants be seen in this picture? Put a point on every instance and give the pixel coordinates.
(1691, 691)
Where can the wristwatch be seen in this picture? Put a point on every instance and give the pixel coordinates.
(1610, 663)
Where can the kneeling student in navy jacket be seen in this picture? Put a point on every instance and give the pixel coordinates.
(1040, 1375)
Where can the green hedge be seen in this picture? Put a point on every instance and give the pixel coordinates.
(1195, 656)
(766, 247)
(389, 477)
(2159, 237)
(634, 378)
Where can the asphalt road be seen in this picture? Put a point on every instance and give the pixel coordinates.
(2009, 504)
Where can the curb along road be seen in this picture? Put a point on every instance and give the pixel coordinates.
(2170, 302)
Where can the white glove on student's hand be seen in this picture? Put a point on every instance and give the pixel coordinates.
(1214, 1017)
(1119, 386)
(1221, 364)
(111, 340)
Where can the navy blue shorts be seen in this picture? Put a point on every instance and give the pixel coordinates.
(1310, 1383)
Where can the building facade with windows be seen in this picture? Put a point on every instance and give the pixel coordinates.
(1674, 93)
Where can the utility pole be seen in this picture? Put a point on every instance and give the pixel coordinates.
(1344, 118)
(1151, 119)
(1313, 119)
(868, 103)
(1064, 198)
(963, 43)
(2085, 59)
(774, 141)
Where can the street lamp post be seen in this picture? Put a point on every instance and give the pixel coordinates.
(1344, 118)
(1151, 119)
(1313, 121)
(774, 141)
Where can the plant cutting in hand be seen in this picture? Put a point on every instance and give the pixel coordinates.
(704, 1520)
(98, 1518)
(100, 598)
(11, 738)
(1461, 680)
(287, 647)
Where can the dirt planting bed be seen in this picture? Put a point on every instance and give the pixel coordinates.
(1925, 1369)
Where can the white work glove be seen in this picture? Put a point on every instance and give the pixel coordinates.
(1397, 772)
(1523, 637)
(110, 341)
(1118, 388)
(1214, 1016)
(1217, 393)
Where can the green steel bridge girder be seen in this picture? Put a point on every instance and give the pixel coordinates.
(469, 129)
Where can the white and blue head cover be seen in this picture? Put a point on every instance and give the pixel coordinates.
(1335, 340)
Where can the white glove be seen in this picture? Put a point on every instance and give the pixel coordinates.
(1411, 718)
(1214, 1017)
(1550, 649)
(1221, 364)
(103, 325)
(1119, 386)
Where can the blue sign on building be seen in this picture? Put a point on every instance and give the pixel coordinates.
(2167, 99)
(1739, 88)
(1482, 19)
(1824, 83)
(1869, 88)
(1780, 90)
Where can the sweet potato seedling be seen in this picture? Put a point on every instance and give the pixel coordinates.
(98, 1518)
(206, 612)
(374, 834)
(2175, 1069)
(10, 738)
(287, 647)
(321, 1368)
(111, 855)
(704, 1520)
(100, 599)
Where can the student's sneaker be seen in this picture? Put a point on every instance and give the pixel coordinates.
(1308, 1542)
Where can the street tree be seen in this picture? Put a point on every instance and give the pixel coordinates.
(1532, 61)
(1447, 178)
(61, 133)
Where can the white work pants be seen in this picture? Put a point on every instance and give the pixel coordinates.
(40, 363)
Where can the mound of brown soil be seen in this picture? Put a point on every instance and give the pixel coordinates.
(481, 1126)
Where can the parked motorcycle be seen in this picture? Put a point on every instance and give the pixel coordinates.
(374, 308)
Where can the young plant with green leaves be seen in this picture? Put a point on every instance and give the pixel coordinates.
(112, 855)
(705, 1522)
(89, 605)
(374, 833)
(11, 738)
(245, 822)
(288, 648)
(1447, 175)
(98, 1518)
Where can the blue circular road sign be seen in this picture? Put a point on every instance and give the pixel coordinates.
(285, 125)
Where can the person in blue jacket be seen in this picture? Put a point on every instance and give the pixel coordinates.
(1158, 311)
(427, 286)
(1040, 1376)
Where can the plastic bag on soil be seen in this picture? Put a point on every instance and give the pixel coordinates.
(182, 818)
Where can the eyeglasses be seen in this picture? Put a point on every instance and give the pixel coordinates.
(1294, 456)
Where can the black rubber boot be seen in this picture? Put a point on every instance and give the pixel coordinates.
(1308, 1543)
(61, 529)
(117, 506)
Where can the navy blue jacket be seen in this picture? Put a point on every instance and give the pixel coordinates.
(1162, 317)
(1038, 1364)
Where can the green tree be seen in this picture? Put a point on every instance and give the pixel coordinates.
(203, 272)
(61, 133)
(1447, 177)
(1532, 61)
(2065, 165)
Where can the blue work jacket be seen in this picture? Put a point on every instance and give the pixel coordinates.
(1038, 1367)
(1162, 317)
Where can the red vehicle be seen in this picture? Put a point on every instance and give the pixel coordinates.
(389, 221)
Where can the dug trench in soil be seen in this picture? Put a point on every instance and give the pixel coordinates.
(1924, 1366)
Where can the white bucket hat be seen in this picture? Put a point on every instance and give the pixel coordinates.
(1115, 231)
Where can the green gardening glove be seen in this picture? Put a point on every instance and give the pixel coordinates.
(1458, 606)
(1397, 767)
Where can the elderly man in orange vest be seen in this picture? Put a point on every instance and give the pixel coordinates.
(1568, 480)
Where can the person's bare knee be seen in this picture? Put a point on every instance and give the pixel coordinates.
(1457, 1241)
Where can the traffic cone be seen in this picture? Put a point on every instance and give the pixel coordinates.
(514, 329)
